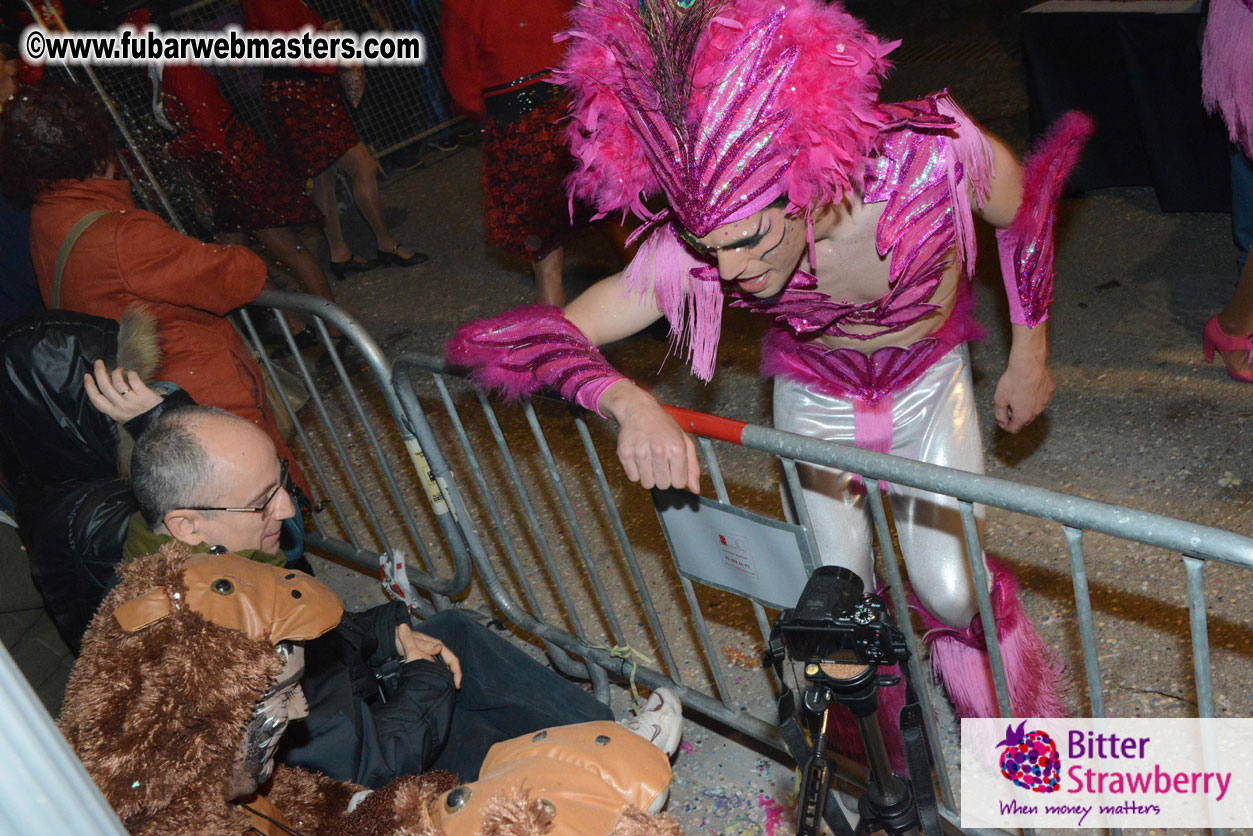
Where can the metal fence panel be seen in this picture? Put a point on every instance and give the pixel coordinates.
(690, 648)
(377, 492)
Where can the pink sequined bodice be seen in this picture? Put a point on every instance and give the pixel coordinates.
(926, 218)
(911, 175)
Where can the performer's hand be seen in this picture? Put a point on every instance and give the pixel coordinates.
(654, 451)
(1027, 385)
(119, 394)
(415, 646)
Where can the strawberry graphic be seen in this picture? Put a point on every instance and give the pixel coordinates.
(1030, 759)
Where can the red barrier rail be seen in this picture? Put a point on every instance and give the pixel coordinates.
(710, 426)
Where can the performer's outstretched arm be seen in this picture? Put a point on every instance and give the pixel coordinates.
(653, 450)
(537, 347)
(1023, 207)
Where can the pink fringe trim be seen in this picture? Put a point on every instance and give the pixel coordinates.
(977, 170)
(959, 658)
(687, 291)
(872, 430)
(1227, 68)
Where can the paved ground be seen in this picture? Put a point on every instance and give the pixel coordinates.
(1138, 419)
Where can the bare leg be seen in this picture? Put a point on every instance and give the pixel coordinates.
(1236, 319)
(363, 175)
(549, 271)
(282, 242)
(324, 199)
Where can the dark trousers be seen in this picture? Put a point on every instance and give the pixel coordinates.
(1241, 204)
(504, 694)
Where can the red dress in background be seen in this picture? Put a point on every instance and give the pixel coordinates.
(496, 64)
(248, 187)
(304, 106)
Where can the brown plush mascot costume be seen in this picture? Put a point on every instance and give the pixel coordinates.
(183, 651)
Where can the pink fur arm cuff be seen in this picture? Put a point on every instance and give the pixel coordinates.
(523, 351)
(1026, 247)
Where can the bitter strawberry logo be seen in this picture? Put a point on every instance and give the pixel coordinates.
(1030, 759)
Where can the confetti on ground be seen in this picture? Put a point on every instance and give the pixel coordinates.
(749, 660)
(774, 813)
(686, 748)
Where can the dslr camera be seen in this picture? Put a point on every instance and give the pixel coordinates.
(835, 621)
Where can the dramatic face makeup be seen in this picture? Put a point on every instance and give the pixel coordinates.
(758, 253)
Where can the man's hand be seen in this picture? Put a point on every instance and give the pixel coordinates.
(653, 450)
(119, 394)
(414, 646)
(1027, 385)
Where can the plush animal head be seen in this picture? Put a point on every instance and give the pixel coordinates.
(170, 673)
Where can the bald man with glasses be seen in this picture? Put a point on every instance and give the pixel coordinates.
(386, 697)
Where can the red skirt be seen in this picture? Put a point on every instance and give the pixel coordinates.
(525, 162)
(247, 187)
(310, 122)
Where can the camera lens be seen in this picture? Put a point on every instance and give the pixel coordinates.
(831, 591)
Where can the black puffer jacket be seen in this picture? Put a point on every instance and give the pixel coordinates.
(72, 508)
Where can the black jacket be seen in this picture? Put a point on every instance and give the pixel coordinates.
(71, 506)
(351, 733)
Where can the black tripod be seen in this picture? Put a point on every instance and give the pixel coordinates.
(831, 621)
(888, 803)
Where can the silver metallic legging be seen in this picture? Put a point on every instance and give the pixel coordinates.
(934, 420)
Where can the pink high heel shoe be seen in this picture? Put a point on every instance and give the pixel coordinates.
(1215, 339)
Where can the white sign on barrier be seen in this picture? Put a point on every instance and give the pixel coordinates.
(1103, 773)
(724, 547)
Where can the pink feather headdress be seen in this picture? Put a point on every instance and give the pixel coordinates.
(724, 106)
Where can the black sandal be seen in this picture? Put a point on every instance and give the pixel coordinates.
(393, 259)
(341, 269)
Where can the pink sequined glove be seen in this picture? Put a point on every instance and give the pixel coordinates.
(1026, 247)
(525, 350)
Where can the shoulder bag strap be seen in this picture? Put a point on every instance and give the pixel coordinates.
(63, 254)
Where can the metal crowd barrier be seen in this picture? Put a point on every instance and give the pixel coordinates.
(570, 553)
(596, 594)
(375, 496)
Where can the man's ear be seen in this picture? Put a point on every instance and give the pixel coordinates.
(184, 526)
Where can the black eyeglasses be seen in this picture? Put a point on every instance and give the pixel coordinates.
(284, 484)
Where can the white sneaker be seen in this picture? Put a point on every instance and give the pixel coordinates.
(661, 721)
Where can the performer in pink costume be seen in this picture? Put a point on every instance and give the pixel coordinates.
(797, 194)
